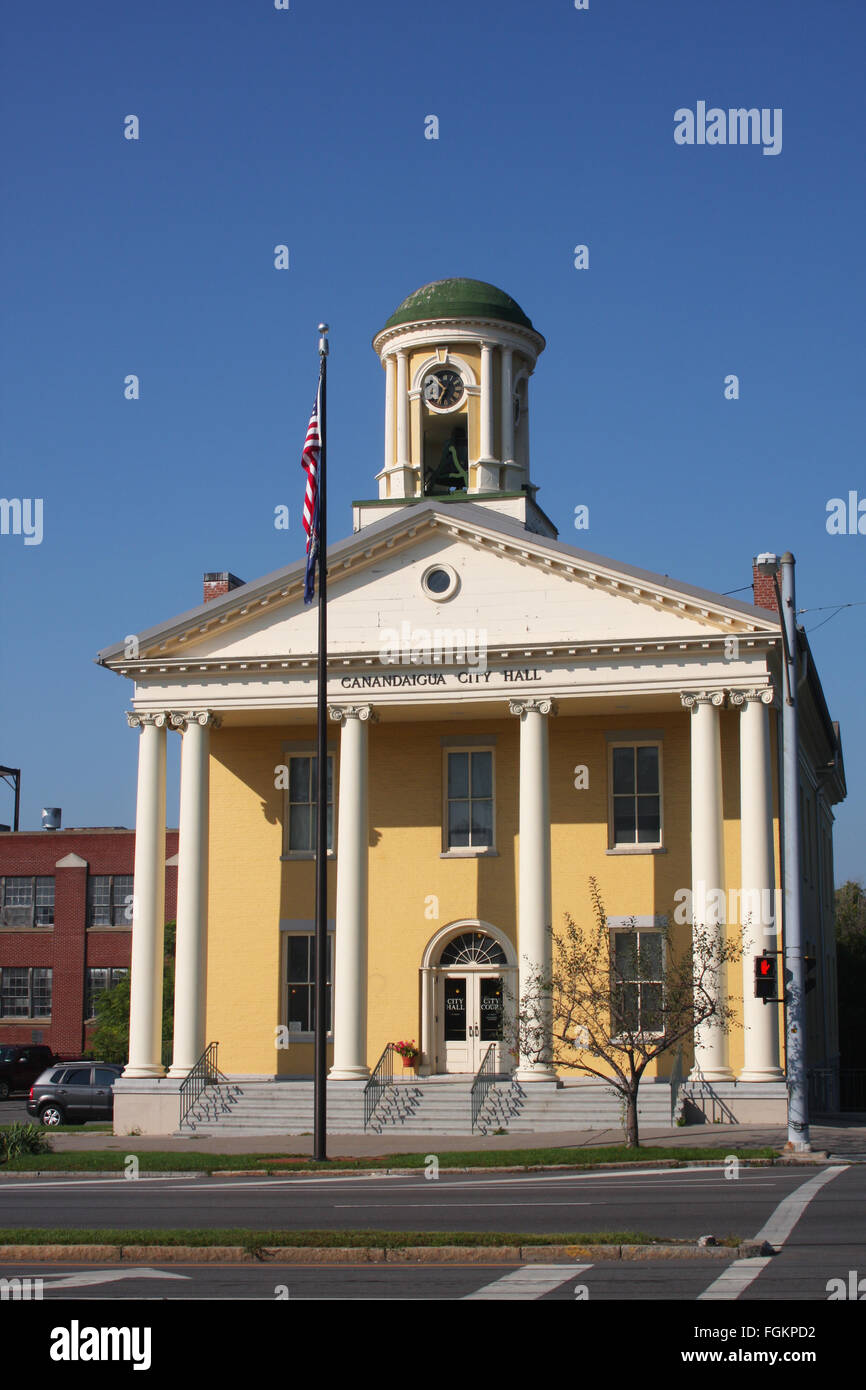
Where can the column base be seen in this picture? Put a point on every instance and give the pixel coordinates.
(539, 1072)
(349, 1074)
(757, 1074)
(711, 1074)
(179, 1073)
(144, 1073)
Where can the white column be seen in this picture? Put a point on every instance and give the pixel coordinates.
(350, 946)
(507, 417)
(390, 414)
(487, 470)
(757, 898)
(190, 988)
(148, 902)
(402, 410)
(708, 862)
(534, 902)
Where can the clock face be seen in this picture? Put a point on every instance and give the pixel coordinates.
(443, 388)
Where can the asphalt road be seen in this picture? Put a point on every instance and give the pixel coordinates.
(684, 1203)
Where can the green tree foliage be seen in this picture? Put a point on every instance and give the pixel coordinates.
(110, 1040)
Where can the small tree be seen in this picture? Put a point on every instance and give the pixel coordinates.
(608, 1008)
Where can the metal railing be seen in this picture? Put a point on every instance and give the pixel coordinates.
(204, 1074)
(484, 1079)
(381, 1079)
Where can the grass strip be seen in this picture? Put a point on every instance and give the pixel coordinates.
(361, 1240)
(157, 1160)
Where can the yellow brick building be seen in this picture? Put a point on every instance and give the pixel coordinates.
(509, 715)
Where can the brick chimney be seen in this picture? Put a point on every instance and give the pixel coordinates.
(220, 582)
(763, 589)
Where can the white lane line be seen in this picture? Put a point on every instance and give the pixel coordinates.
(425, 1206)
(737, 1278)
(54, 1183)
(531, 1281)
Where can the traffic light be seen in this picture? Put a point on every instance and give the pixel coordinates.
(809, 966)
(765, 977)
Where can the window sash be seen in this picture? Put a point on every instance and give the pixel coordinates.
(635, 794)
(301, 807)
(470, 799)
(300, 982)
(32, 897)
(637, 981)
(26, 991)
(99, 978)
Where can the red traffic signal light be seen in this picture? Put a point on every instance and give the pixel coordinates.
(765, 977)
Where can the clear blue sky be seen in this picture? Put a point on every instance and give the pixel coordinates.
(306, 127)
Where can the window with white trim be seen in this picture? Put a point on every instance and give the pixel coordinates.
(469, 799)
(301, 809)
(301, 982)
(636, 981)
(635, 795)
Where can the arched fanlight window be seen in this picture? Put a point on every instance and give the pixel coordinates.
(473, 948)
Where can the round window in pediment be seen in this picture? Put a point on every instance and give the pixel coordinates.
(439, 582)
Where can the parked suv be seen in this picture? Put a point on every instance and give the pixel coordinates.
(72, 1092)
(20, 1064)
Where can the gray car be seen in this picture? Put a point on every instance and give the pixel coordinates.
(72, 1092)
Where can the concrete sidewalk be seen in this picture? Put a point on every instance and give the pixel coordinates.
(840, 1137)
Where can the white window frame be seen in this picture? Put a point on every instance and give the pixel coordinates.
(468, 851)
(643, 846)
(304, 1036)
(307, 751)
(619, 928)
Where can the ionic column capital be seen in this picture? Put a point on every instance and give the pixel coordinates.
(692, 699)
(340, 713)
(542, 706)
(181, 719)
(137, 719)
(765, 694)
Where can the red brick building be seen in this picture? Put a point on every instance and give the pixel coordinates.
(66, 928)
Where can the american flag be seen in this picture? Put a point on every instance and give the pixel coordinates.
(310, 464)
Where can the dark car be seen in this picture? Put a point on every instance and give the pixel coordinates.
(72, 1092)
(20, 1064)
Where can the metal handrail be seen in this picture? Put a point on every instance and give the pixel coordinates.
(203, 1074)
(484, 1079)
(381, 1079)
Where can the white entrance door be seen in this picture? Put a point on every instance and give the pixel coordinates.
(470, 1009)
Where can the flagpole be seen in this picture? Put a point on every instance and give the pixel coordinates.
(320, 1121)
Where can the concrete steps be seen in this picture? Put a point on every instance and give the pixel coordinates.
(424, 1106)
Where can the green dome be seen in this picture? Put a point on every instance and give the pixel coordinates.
(458, 299)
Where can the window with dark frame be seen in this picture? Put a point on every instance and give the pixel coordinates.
(109, 900)
(99, 978)
(470, 799)
(27, 901)
(25, 991)
(300, 982)
(637, 981)
(301, 808)
(636, 788)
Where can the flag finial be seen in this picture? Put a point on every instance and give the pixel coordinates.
(323, 341)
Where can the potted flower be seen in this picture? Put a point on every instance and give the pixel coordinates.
(409, 1052)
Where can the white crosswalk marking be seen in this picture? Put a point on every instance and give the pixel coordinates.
(530, 1281)
(738, 1276)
